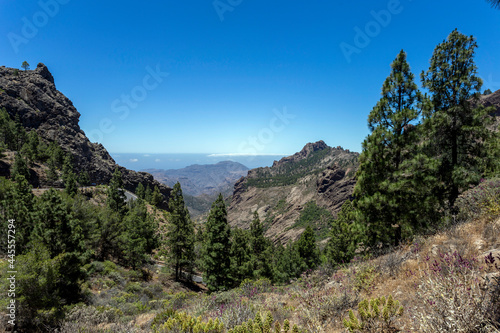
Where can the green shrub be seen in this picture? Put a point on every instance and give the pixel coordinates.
(376, 315)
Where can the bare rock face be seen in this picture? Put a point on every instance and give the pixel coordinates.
(32, 96)
(279, 193)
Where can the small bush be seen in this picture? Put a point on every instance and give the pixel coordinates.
(376, 315)
(454, 299)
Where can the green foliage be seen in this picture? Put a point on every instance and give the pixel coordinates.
(139, 237)
(25, 65)
(180, 234)
(487, 92)
(20, 167)
(181, 322)
(44, 285)
(456, 129)
(116, 196)
(319, 217)
(216, 247)
(346, 234)
(375, 315)
(307, 249)
(140, 191)
(17, 202)
(156, 197)
(262, 323)
(241, 263)
(382, 195)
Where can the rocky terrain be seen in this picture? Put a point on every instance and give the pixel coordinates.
(318, 173)
(33, 98)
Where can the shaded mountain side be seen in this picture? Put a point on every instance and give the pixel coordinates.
(318, 173)
(202, 179)
(32, 97)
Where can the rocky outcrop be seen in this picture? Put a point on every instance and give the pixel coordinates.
(279, 193)
(491, 100)
(33, 98)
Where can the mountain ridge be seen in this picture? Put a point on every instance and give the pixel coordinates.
(32, 97)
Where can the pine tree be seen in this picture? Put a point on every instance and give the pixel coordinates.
(216, 247)
(258, 244)
(70, 185)
(140, 192)
(456, 129)
(20, 167)
(241, 267)
(116, 196)
(306, 246)
(139, 237)
(345, 236)
(156, 197)
(180, 235)
(380, 192)
(25, 65)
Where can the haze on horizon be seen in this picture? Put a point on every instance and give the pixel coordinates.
(248, 78)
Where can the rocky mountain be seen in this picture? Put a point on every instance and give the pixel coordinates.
(319, 175)
(33, 98)
(202, 179)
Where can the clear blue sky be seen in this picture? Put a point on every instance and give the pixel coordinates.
(232, 68)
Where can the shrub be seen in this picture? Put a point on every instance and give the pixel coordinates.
(181, 322)
(364, 278)
(454, 299)
(376, 315)
(263, 324)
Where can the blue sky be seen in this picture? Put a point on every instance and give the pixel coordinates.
(233, 76)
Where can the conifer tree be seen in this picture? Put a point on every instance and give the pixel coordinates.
(139, 237)
(306, 246)
(241, 267)
(20, 167)
(345, 236)
(456, 128)
(116, 196)
(140, 192)
(258, 245)
(180, 235)
(216, 247)
(380, 195)
(70, 186)
(156, 197)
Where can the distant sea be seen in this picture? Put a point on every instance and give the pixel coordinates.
(140, 162)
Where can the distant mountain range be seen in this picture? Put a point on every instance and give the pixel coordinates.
(198, 179)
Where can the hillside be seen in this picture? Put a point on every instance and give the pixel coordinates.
(32, 98)
(318, 175)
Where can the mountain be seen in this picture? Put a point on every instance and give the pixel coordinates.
(202, 179)
(32, 97)
(316, 180)
(201, 184)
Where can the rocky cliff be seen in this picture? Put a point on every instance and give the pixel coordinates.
(32, 96)
(318, 173)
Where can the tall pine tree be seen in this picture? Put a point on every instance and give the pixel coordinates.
(217, 247)
(455, 126)
(180, 235)
(380, 195)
